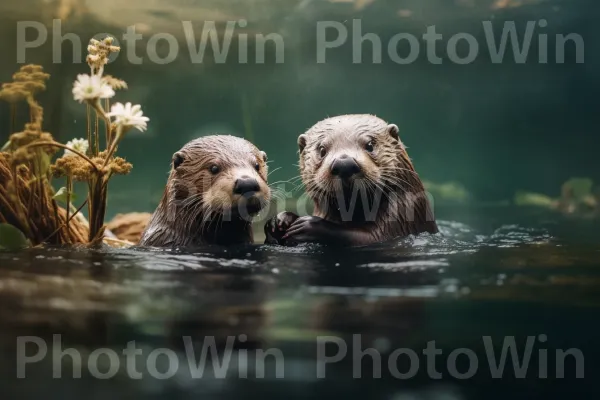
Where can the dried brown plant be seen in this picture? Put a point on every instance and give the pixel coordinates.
(27, 199)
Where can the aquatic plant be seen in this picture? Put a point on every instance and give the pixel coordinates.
(449, 191)
(27, 199)
(12, 238)
(578, 197)
(97, 166)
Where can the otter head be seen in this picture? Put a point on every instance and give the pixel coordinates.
(350, 150)
(350, 154)
(218, 177)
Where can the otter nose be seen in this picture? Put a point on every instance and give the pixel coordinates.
(245, 185)
(344, 167)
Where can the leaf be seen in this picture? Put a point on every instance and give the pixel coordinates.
(533, 199)
(447, 191)
(45, 162)
(61, 196)
(12, 239)
(578, 187)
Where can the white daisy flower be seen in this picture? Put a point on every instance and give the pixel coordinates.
(80, 145)
(92, 87)
(129, 116)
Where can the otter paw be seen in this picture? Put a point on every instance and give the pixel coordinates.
(276, 227)
(309, 229)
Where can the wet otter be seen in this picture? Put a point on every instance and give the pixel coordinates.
(364, 187)
(217, 183)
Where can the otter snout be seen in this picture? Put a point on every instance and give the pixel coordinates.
(345, 167)
(246, 185)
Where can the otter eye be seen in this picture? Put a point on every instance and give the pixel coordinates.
(214, 169)
(322, 151)
(257, 167)
(369, 147)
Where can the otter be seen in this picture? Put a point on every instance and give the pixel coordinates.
(216, 185)
(363, 185)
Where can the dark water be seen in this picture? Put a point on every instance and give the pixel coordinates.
(499, 272)
(533, 280)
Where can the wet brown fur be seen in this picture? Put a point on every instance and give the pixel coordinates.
(199, 207)
(387, 174)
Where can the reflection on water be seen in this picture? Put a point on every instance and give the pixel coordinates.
(453, 288)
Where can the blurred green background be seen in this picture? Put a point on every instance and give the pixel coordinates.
(493, 129)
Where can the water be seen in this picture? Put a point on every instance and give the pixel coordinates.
(496, 270)
(516, 280)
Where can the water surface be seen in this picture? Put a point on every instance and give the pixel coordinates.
(473, 280)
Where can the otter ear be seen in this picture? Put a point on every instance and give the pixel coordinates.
(264, 156)
(178, 159)
(393, 130)
(302, 142)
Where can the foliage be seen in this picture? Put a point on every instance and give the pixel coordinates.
(27, 200)
(523, 198)
(11, 238)
(577, 197)
(450, 191)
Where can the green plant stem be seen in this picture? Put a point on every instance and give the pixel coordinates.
(69, 189)
(89, 124)
(96, 135)
(113, 146)
(91, 209)
(101, 112)
(107, 123)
